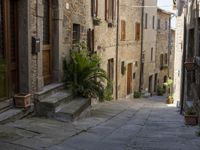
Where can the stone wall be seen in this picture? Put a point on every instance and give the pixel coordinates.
(163, 45)
(149, 42)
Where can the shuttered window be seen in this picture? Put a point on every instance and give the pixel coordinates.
(111, 69)
(76, 33)
(110, 10)
(46, 22)
(166, 59)
(161, 60)
(90, 40)
(94, 8)
(146, 20)
(123, 30)
(137, 31)
(152, 54)
(153, 22)
(158, 24)
(1, 32)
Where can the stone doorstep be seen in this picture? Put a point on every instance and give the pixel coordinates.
(48, 91)
(13, 114)
(72, 110)
(5, 105)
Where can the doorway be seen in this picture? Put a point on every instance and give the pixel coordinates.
(150, 84)
(9, 79)
(47, 46)
(129, 78)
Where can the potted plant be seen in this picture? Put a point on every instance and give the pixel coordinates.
(137, 94)
(191, 117)
(96, 21)
(170, 100)
(160, 91)
(168, 85)
(22, 100)
(190, 64)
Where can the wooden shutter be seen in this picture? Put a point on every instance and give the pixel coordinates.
(113, 10)
(161, 60)
(94, 8)
(166, 59)
(111, 69)
(137, 31)
(90, 40)
(106, 10)
(123, 30)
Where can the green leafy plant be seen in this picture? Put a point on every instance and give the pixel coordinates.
(108, 93)
(190, 111)
(96, 21)
(160, 91)
(83, 74)
(137, 94)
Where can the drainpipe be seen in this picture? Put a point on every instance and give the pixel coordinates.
(142, 37)
(117, 52)
(169, 44)
(183, 70)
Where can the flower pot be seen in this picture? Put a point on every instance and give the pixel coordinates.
(96, 22)
(22, 100)
(191, 120)
(170, 101)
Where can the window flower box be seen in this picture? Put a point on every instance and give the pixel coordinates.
(22, 100)
(190, 64)
(96, 21)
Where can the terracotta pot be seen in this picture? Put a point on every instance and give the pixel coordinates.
(169, 101)
(191, 120)
(22, 100)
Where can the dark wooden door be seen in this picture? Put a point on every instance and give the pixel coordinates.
(150, 84)
(8, 48)
(47, 54)
(129, 79)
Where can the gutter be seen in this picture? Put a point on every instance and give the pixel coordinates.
(117, 52)
(142, 37)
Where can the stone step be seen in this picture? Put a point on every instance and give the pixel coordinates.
(13, 114)
(47, 106)
(72, 110)
(48, 91)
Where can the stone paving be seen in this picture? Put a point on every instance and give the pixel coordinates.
(141, 124)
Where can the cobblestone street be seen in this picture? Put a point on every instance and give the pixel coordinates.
(142, 124)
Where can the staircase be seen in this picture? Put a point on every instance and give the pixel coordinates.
(57, 103)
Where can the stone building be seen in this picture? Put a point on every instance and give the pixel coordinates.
(191, 57)
(129, 51)
(36, 36)
(172, 53)
(149, 72)
(163, 51)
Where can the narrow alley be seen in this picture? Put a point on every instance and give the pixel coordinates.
(140, 124)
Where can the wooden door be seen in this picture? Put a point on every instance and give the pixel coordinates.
(129, 78)
(8, 49)
(47, 53)
(150, 84)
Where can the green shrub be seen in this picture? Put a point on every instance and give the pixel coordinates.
(160, 91)
(83, 74)
(191, 111)
(108, 93)
(137, 94)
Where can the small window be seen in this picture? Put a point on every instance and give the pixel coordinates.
(166, 59)
(76, 33)
(111, 69)
(161, 60)
(123, 30)
(151, 54)
(134, 75)
(166, 25)
(94, 8)
(146, 21)
(153, 22)
(110, 10)
(158, 23)
(137, 31)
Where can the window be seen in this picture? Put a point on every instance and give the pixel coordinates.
(137, 31)
(76, 33)
(123, 30)
(151, 54)
(146, 21)
(90, 40)
(158, 23)
(111, 69)
(166, 59)
(110, 10)
(153, 22)
(161, 60)
(94, 8)
(166, 25)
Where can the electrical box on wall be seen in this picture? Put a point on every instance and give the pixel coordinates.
(35, 45)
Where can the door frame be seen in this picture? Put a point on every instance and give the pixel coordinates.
(129, 78)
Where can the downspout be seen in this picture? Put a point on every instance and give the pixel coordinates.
(183, 70)
(169, 45)
(142, 37)
(117, 52)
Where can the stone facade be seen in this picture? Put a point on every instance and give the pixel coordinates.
(163, 54)
(149, 46)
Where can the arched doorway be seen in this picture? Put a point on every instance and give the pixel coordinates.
(9, 78)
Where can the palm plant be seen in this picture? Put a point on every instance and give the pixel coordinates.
(83, 74)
